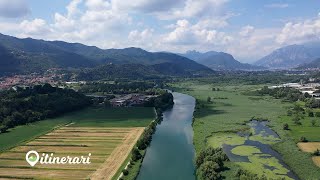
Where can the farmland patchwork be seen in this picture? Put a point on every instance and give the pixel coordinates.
(105, 148)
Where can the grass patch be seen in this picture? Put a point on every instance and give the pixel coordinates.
(245, 150)
(218, 139)
(21, 134)
(111, 117)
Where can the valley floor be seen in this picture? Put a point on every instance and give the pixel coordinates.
(229, 112)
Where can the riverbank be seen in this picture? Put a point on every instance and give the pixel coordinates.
(227, 113)
(171, 153)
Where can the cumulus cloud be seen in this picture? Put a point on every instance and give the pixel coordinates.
(308, 30)
(36, 27)
(13, 8)
(186, 33)
(145, 38)
(253, 43)
(96, 23)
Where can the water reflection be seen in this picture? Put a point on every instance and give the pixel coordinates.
(170, 155)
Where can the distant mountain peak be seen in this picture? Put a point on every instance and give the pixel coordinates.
(287, 57)
(218, 60)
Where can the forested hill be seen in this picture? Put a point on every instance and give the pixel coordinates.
(31, 55)
(37, 103)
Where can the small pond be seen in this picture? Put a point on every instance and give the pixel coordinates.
(253, 150)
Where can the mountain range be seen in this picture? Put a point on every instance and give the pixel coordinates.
(219, 61)
(31, 55)
(291, 56)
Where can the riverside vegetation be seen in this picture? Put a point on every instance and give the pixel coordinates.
(227, 112)
(131, 171)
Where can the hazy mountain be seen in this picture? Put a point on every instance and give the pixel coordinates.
(315, 64)
(218, 61)
(289, 56)
(31, 55)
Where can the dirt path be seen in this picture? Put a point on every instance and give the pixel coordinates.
(109, 168)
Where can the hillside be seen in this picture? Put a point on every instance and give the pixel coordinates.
(31, 55)
(315, 64)
(137, 71)
(288, 57)
(219, 61)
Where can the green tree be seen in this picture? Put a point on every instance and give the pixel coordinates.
(136, 155)
(210, 170)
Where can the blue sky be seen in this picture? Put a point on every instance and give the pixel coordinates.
(248, 29)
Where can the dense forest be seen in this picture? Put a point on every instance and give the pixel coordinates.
(286, 93)
(142, 87)
(22, 106)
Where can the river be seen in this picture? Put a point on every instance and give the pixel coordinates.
(171, 152)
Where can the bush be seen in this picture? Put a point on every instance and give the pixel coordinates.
(303, 139)
(317, 114)
(136, 154)
(210, 163)
(310, 114)
(316, 153)
(210, 170)
(125, 172)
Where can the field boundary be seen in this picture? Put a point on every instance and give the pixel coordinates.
(34, 137)
(110, 167)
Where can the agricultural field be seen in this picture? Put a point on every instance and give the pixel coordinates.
(93, 117)
(311, 147)
(108, 134)
(109, 147)
(228, 113)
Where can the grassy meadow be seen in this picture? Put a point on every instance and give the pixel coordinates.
(227, 113)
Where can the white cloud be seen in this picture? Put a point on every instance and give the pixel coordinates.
(187, 34)
(14, 8)
(73, 8)
(145, 38)
(277, 5)
(98, 5)
(36, 28)
(308, 30)
(254, 43)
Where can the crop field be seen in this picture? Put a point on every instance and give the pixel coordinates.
(316, 160)
(109, 148)
(90, 117)
(309, 146)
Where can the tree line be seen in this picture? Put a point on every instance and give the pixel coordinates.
(161, 103)
(27, 105)
(142, 87)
